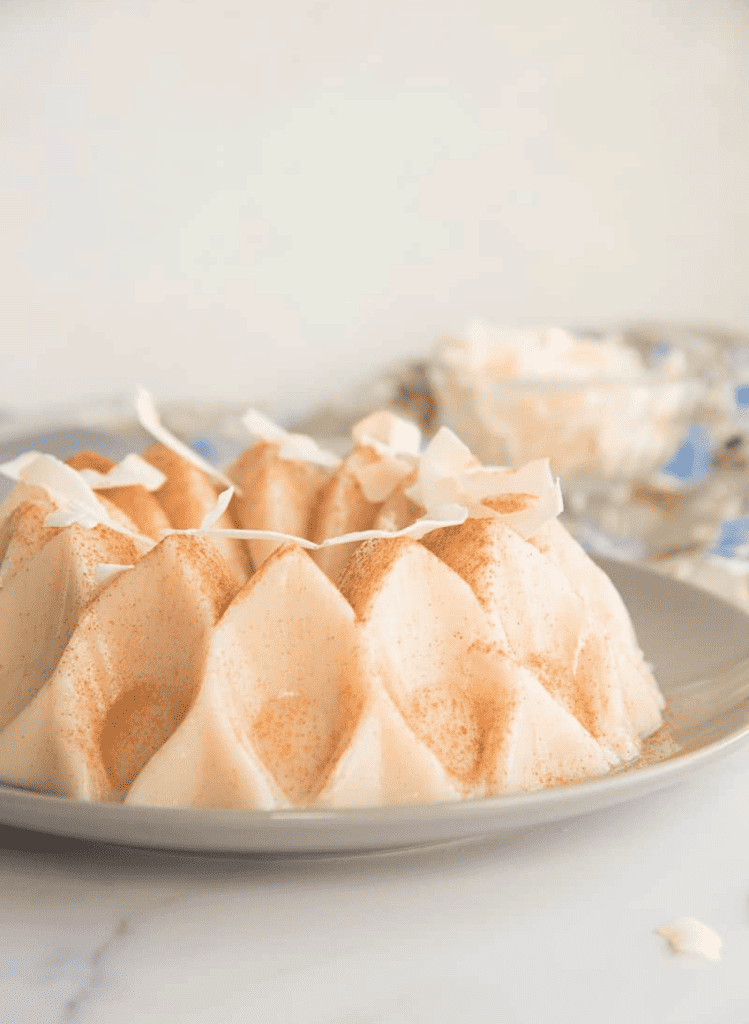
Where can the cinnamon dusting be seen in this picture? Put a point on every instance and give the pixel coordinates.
(294, 743)
(506, 504)
(342, 507)
(277, 494)
(448, 723)
(117, 718)
(137, 724)
(467, 549)
(186, 496)
(24, 533)
(372, 560)
(424, 610)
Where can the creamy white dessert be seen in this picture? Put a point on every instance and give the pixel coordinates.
(592, 406)
(549, 353)
(394, 627)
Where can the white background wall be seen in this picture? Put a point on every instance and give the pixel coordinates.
(255, 199)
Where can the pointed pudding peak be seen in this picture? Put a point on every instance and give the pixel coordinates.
(187, 496)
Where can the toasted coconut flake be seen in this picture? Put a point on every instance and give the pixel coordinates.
(396, 443)
(150, 421)
(214, 515)
(447, 515)
(295, 447)
(131, 471)
(450, 474)
(74, 498)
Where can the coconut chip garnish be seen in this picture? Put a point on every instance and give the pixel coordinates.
(150, 420)
(450, 515)
(397, 442)
(451, 483)
(450, 474)
(295, 447)
(75, 500)
(132, 471)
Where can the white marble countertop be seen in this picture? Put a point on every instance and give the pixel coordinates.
(555, 924)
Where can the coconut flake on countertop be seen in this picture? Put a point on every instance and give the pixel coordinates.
(687, 935)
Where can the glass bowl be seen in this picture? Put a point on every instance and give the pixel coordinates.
(610, 426)
(512, 396)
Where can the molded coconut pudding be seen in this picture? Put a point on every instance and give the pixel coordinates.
(400, 626)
